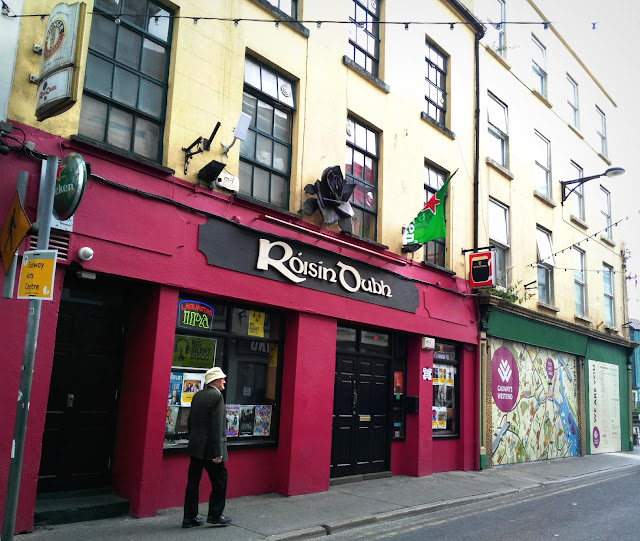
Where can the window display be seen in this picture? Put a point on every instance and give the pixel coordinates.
(246, 342)
(444, 411)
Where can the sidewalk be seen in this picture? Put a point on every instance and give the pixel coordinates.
(276, 518)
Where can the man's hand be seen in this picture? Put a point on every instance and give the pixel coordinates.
(217, 460)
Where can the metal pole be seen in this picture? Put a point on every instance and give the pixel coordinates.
(10, 277)
(26, 375)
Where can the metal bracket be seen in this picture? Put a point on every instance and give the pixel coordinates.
(190, 154)
(490, 247)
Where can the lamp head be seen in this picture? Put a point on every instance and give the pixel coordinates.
(613, 172)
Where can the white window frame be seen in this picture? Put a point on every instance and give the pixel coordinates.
(498, 121)
(609, 306)
(578, 193)
(544, 167)
(572, 100)
(579, 282)
(496, 28)
(605, 211)
(539, 65)
(546, 263)
(602, 131)
(499, 236)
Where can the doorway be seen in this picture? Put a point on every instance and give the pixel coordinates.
(362, 420)
(79, 434)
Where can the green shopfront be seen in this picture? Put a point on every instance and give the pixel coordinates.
(550, 388)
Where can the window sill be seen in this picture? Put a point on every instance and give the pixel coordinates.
(437, 436)
(546, 306)
(424, 116)
(607, 240)
(579, 222)
(611, 329)
(542, 98)
(500, 168)
(290, 21)
(499, 57)
(547, 201)
(583, 319)
(264, 204)
(606, 160)
(438, 267)
(377, 82)
(119, 153)
(180, 446)
(575, 130)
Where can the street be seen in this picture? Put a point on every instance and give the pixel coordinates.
(602, 507)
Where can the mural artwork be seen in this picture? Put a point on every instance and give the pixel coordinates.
(534, 403)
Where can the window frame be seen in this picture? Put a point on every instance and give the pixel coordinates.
(455, 364)
(497, 132)
(502, 245)
(540, 71)
(608, 296)
(572, 100)
(370, 29)
(278, 5)
(546, 168)
(546, 263)
(434, 73)
(579, 282)
(499, 28)
(136, 111)
(605, 211)
(602, 131)
(435, 251)
(577, 194)
(352, 147)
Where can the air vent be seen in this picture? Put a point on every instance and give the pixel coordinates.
(58, 240)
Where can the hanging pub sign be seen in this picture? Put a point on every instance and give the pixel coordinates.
(71, 178)
(195, 315)
(59, 79)
(482, 269)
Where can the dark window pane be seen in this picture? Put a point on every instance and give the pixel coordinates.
(245, 174)
(128, 49)
(147, 140)
(249, 107)
(150, 98)
(280, 158)
(125, 87)
(158, 27)
(264, 150)
(103, 35)
(265, 117)
(154, 59)
(135, 11)
(120, 127)
(346, 339)
(93, 118)
(261, 184)
(248, 146)
(282, 128)
(369, 230)
(279, 187)
(98, 75)
(373, 342)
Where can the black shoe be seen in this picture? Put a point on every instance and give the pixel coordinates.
(220, 520)
(195, 521)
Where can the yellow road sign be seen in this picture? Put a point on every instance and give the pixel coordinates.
(16, 226)
(36, 274)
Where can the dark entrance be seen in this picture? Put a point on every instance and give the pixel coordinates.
(78, 440)
(361, 439)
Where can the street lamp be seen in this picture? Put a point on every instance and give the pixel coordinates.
(612, 172)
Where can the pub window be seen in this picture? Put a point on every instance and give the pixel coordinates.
(246, 342)
(445, 419)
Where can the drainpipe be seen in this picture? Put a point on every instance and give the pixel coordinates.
(476, 164)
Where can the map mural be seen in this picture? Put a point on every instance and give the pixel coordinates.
(534, 403)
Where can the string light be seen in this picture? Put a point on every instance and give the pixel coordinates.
(195, 20)
(319, 24)
(406, 26)
(451, 27)
(236, 22)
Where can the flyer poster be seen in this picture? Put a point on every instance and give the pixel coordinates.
(172, 418)
(442, 418)
(397, 382)
(175, 389)
(434, 417)
(262, 425)
(247, 417)
(233, 421)
(256, 324)
(191, 384)
(449, 372)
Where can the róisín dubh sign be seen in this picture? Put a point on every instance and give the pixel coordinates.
(246, 250)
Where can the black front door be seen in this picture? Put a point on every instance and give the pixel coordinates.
(361, 415)
(78, 440)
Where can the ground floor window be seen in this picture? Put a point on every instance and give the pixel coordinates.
(446, 387)
(246, 342)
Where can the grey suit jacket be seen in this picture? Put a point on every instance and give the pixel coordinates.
(207, 425)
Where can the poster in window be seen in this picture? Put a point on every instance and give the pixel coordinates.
(397, 382)
(262, 425)
(175, 389)
(434, 417)
(233, 421)
(181, 422)
(449, 372)
(247, 417)
(191, 384)
(172, 418)
(440, 395)
(193, 352)
(256, 324)
(442, 418)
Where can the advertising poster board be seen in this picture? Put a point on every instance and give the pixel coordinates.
(604, 407)
(191, 384)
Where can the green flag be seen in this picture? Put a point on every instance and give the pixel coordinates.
(429, 223)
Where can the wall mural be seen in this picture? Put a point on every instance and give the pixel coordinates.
(534, 403)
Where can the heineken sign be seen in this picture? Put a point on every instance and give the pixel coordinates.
(235, 247)
(71, 179)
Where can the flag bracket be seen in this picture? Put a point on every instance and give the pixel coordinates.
(490, 247)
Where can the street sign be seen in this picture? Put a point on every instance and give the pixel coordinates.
(71, 179)
(482, 269)
(36, 275)
(16, 226)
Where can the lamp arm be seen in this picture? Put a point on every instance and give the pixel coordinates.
(578, 182)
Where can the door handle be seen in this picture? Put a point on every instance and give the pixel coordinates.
(355, 400)
(70, 399)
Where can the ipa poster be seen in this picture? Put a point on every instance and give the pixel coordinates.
(233, 421)
(262, 423)
(604, 407)
(191, 384)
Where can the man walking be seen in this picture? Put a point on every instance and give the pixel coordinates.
(208, 449)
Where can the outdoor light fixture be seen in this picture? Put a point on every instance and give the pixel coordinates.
(239, 133)
(612, 172)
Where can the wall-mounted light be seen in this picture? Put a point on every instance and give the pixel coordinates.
(85, 253)
(612, 172)
(242, 127)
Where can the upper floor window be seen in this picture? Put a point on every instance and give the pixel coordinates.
(265, 154)
(577, 196)
(434, 250)
(290, 7)
(605, 212)
(495, 28)
(499, 237)
(364, 34)
(361, 166)
(602, 131)
(546, 263)
(436, 84)
(607, 281)
(126, 80)
(572, 100)
(579, 283)
(539, 65)
(498, 130)
(543, 165)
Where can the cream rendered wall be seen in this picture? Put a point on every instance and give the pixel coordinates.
(511, 80)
